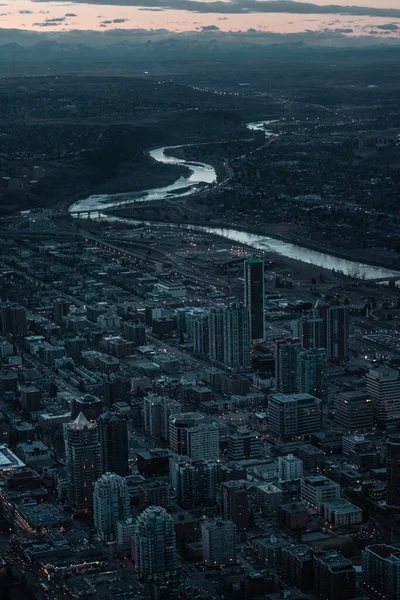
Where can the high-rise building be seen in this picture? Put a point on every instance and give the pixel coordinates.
(169, 407)
(354, 411)
(237, 335)
(291, 416)
(134, 332)
(153, 462)
(216, 334)
(254, 293)
(152, 415)
(234, 503)
(383, 386)
(393, 470)
(297, 566)
(154, 493)
(154, 545)
(336, 322)
(196, 482)
(110, 504)
(290, 468)
(381, 571)
(244, 444)
(83, 455)
(310, 331)
(178, 426)
(219, 542)
(200, 334)
(286, 365)
(13, 320)
(114, 443)
(312, 370)
(60, 310)
(192, 436)
(124, 531)
(334, 576)
(30, 399)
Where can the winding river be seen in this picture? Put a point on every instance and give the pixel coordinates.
(202, 175)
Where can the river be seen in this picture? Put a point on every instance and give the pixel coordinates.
(202, 175)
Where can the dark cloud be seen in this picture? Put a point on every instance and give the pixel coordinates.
(25, 12)
(209, 28)
(256, 6)
(111, 22)
(51, 22)
(70, 15)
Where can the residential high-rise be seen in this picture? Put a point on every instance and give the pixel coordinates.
(196, 482)
(83, 455)
(381, 571)
(334, 576)
(393, 470)
(216, 334)
(200, 334)
(110, 504)
(312, 373)
(153, 462)
(336, 331)
(114, 443)
(152, 415)
(154, 545)
(169, 407)
(192, 436)
(219, 542)
(290, 468)
(13, 320)
(254, 293)
(234, 503)
(178, 426)
(383, 386)
(286, 365)
(60, 310)
(310, 331)
(237, 335)
(291, 416)
(354, 411)
(297, 566)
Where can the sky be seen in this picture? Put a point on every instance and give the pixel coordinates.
(378, 19)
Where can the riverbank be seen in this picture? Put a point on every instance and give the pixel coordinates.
(271, 231)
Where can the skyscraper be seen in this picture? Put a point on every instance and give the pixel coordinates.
(60, 310)
(110, 504)
(200, 334)
(152, 415)
(336, 326)
(254, 292)
(354, 411)
(334, 576)
(310, 331)
(113, 437)
(83, 454)
(237, 335)
(216, 334)
(196, 482)
(154, 545)
(312, 373)
(286, 365)
(13, 320)
(219, 542)
(393, 470)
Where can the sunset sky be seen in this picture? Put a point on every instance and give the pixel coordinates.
(189, 15)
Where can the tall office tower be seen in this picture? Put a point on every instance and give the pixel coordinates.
(291, 416)
(354, 411)
(237, 335)
(383, 386)
(114, 443)
(13, 320)
(110, 504)
(290, 468)
(310, 331)
(336, 322)
(216, 334)
(254, 292)
(30, 398)
(152, 415)
(203, 441)
(169, 407)
(178, 426)
(200, 334)
(234, 503)
(153, 462)
(154, 545)
(115, 389)
(334, 577)
(196, 482)
(286, 365)
(381, 571)
(83, 454)
(60, 310)
(393, 470)
(219, 542)
(312, 371)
